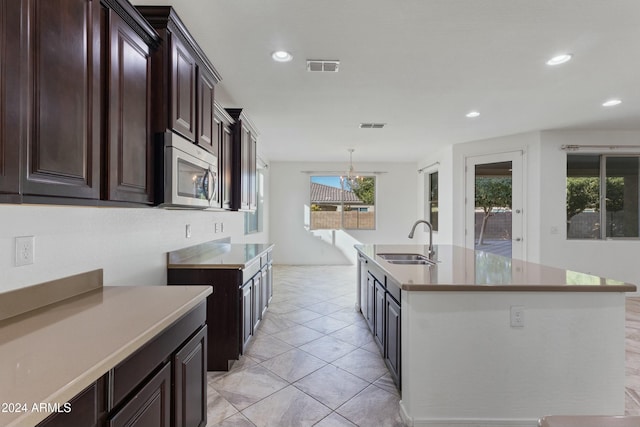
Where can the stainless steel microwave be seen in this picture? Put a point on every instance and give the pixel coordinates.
(189, 175)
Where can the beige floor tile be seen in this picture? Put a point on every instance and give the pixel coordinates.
(298, 335)
(349, 315)
(385, 382)
(265, 347)
(301, 315)
(326, 324)
(363, 364)
(274, 323)
(335, 420)
(237, 420)
(328, 348)
(246, 386)
(218, 408)
(324, 308)
(373, 407)
(353, 335)
(293, 365)
(331, 386)
(287, 408)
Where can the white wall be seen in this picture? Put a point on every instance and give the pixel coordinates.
(130, 244)
(396, 208)
(545, 201)
(615, 259)
(452, 185)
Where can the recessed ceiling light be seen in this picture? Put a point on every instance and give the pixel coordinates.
(560, 59)
(281, 56)
(472, 114)
(611, 103)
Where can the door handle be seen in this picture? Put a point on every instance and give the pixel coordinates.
(517, 239)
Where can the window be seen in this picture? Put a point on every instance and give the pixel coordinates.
(337, 205)
(593, 178)
(431, 207)
(253, 221)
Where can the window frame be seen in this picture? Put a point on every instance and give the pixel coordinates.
(428, 202)
(342, 202)
(602, 194)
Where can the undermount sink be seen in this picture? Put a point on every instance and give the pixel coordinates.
(407, 259)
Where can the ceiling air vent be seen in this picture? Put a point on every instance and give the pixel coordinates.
(372, 125)
(323, 65)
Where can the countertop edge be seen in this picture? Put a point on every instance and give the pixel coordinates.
(78, 384)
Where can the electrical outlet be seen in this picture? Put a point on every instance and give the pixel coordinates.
(216, 227)
(517, 316)
(25, 250)
(187, 231)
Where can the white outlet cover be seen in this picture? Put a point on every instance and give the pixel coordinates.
(25, 250)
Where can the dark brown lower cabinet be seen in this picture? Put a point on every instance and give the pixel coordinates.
(234, 309)
(392, 338)
(162, 384)
(150, 407)
(190, 385)
(86, 409)
(378, 330)
(379, 303)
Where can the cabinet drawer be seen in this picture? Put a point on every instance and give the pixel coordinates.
(150, 407)
(131, 372)
(86, 409)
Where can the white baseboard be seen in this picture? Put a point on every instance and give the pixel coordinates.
(467, 422)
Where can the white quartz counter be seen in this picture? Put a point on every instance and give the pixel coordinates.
(51, 354)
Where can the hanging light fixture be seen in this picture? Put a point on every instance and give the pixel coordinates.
(350, 179)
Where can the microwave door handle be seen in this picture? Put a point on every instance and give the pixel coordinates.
(214, 190)
(210, 185)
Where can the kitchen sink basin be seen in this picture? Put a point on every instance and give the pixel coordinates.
(407, 259)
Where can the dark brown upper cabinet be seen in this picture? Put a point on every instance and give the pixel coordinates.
(10, 84)
(74, 101)
(129, 161)
(61, 93)
(224, 128)
(244, 171)
(183, 80)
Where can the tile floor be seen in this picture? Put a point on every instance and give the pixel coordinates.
(311, 363)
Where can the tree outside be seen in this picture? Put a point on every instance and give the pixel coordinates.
(491, 192)
(366, 190)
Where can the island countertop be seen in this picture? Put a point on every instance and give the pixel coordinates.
(217, 255)
(461, 269)
(51, 354)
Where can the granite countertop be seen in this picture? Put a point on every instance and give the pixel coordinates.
(217, 255)
(51, 354)
(462, 269)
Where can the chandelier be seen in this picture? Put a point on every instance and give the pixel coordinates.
(350, 179)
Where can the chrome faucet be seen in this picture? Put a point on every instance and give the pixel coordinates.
(413, 229)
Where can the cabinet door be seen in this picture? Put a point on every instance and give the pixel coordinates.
(370, 302)
(63, 140)
(11, 83)
(150, 407)
(206, 124)
(129, 162)
(183, 90)
(379, 314)
(257, 301)
(264, 301)
(226, 167)
(393, 338)
(270, 282)
(85, 409)
(190, 382)
(252, 173)
(245, 165)
(247, 314)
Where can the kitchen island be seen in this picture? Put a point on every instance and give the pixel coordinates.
(92, 355)
(485, 340)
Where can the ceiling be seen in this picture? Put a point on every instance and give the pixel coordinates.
(419, 66)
